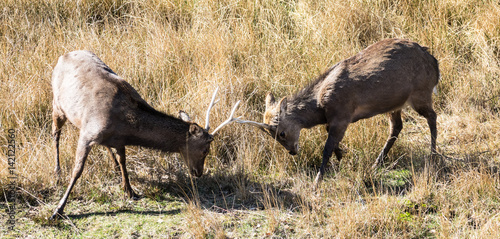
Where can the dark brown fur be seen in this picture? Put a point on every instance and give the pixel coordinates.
(382, 78)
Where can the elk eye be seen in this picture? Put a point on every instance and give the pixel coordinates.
(282, 134)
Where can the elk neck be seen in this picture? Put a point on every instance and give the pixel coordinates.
(304, 108)
(154, 129)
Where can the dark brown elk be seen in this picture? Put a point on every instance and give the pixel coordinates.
(382, 78)
(109, 112)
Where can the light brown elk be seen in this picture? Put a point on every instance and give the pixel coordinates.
(109, 112)
(382, 78)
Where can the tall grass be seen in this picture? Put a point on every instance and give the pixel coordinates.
(175, 53)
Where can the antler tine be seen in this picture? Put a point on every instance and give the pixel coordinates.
(266, 128)
(212, 103)
(230, 119)
(253, 123)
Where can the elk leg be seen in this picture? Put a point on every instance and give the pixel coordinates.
(112, 156)
(431, 117)
(58, 121)
(424, 108)
(396, 127)
(82, 151)
(125, 182)
(335, 135)
(431, 121)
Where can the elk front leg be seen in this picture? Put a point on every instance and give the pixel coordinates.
(396, 127)
(82, 151)
(125, 182)
(335, 135)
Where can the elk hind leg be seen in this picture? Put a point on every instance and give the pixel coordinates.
(424, 108)
(396, 127)
(58, 120)
(431, 117)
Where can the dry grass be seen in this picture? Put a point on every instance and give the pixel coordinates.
(176, 52)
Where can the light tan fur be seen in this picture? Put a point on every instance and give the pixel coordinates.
(109, 112)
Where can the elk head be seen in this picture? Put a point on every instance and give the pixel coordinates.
(198, 139)
(196, 148)
(278, 124)
(282, 127)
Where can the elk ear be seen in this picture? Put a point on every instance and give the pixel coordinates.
(184, 116)
(195, 130)
(283, 105)
(270, 101)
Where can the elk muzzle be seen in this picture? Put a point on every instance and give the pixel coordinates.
(294, 150)
(197, 173)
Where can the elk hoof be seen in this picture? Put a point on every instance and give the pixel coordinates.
(134, 197)
(55, 216)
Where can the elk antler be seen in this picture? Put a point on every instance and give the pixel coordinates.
(230, 119)
(266, 128)
(212, 103)
(256, 124)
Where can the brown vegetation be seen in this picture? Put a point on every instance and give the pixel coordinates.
(174, 53)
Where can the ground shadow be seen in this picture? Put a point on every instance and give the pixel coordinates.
(123, 211)
(221, 191)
